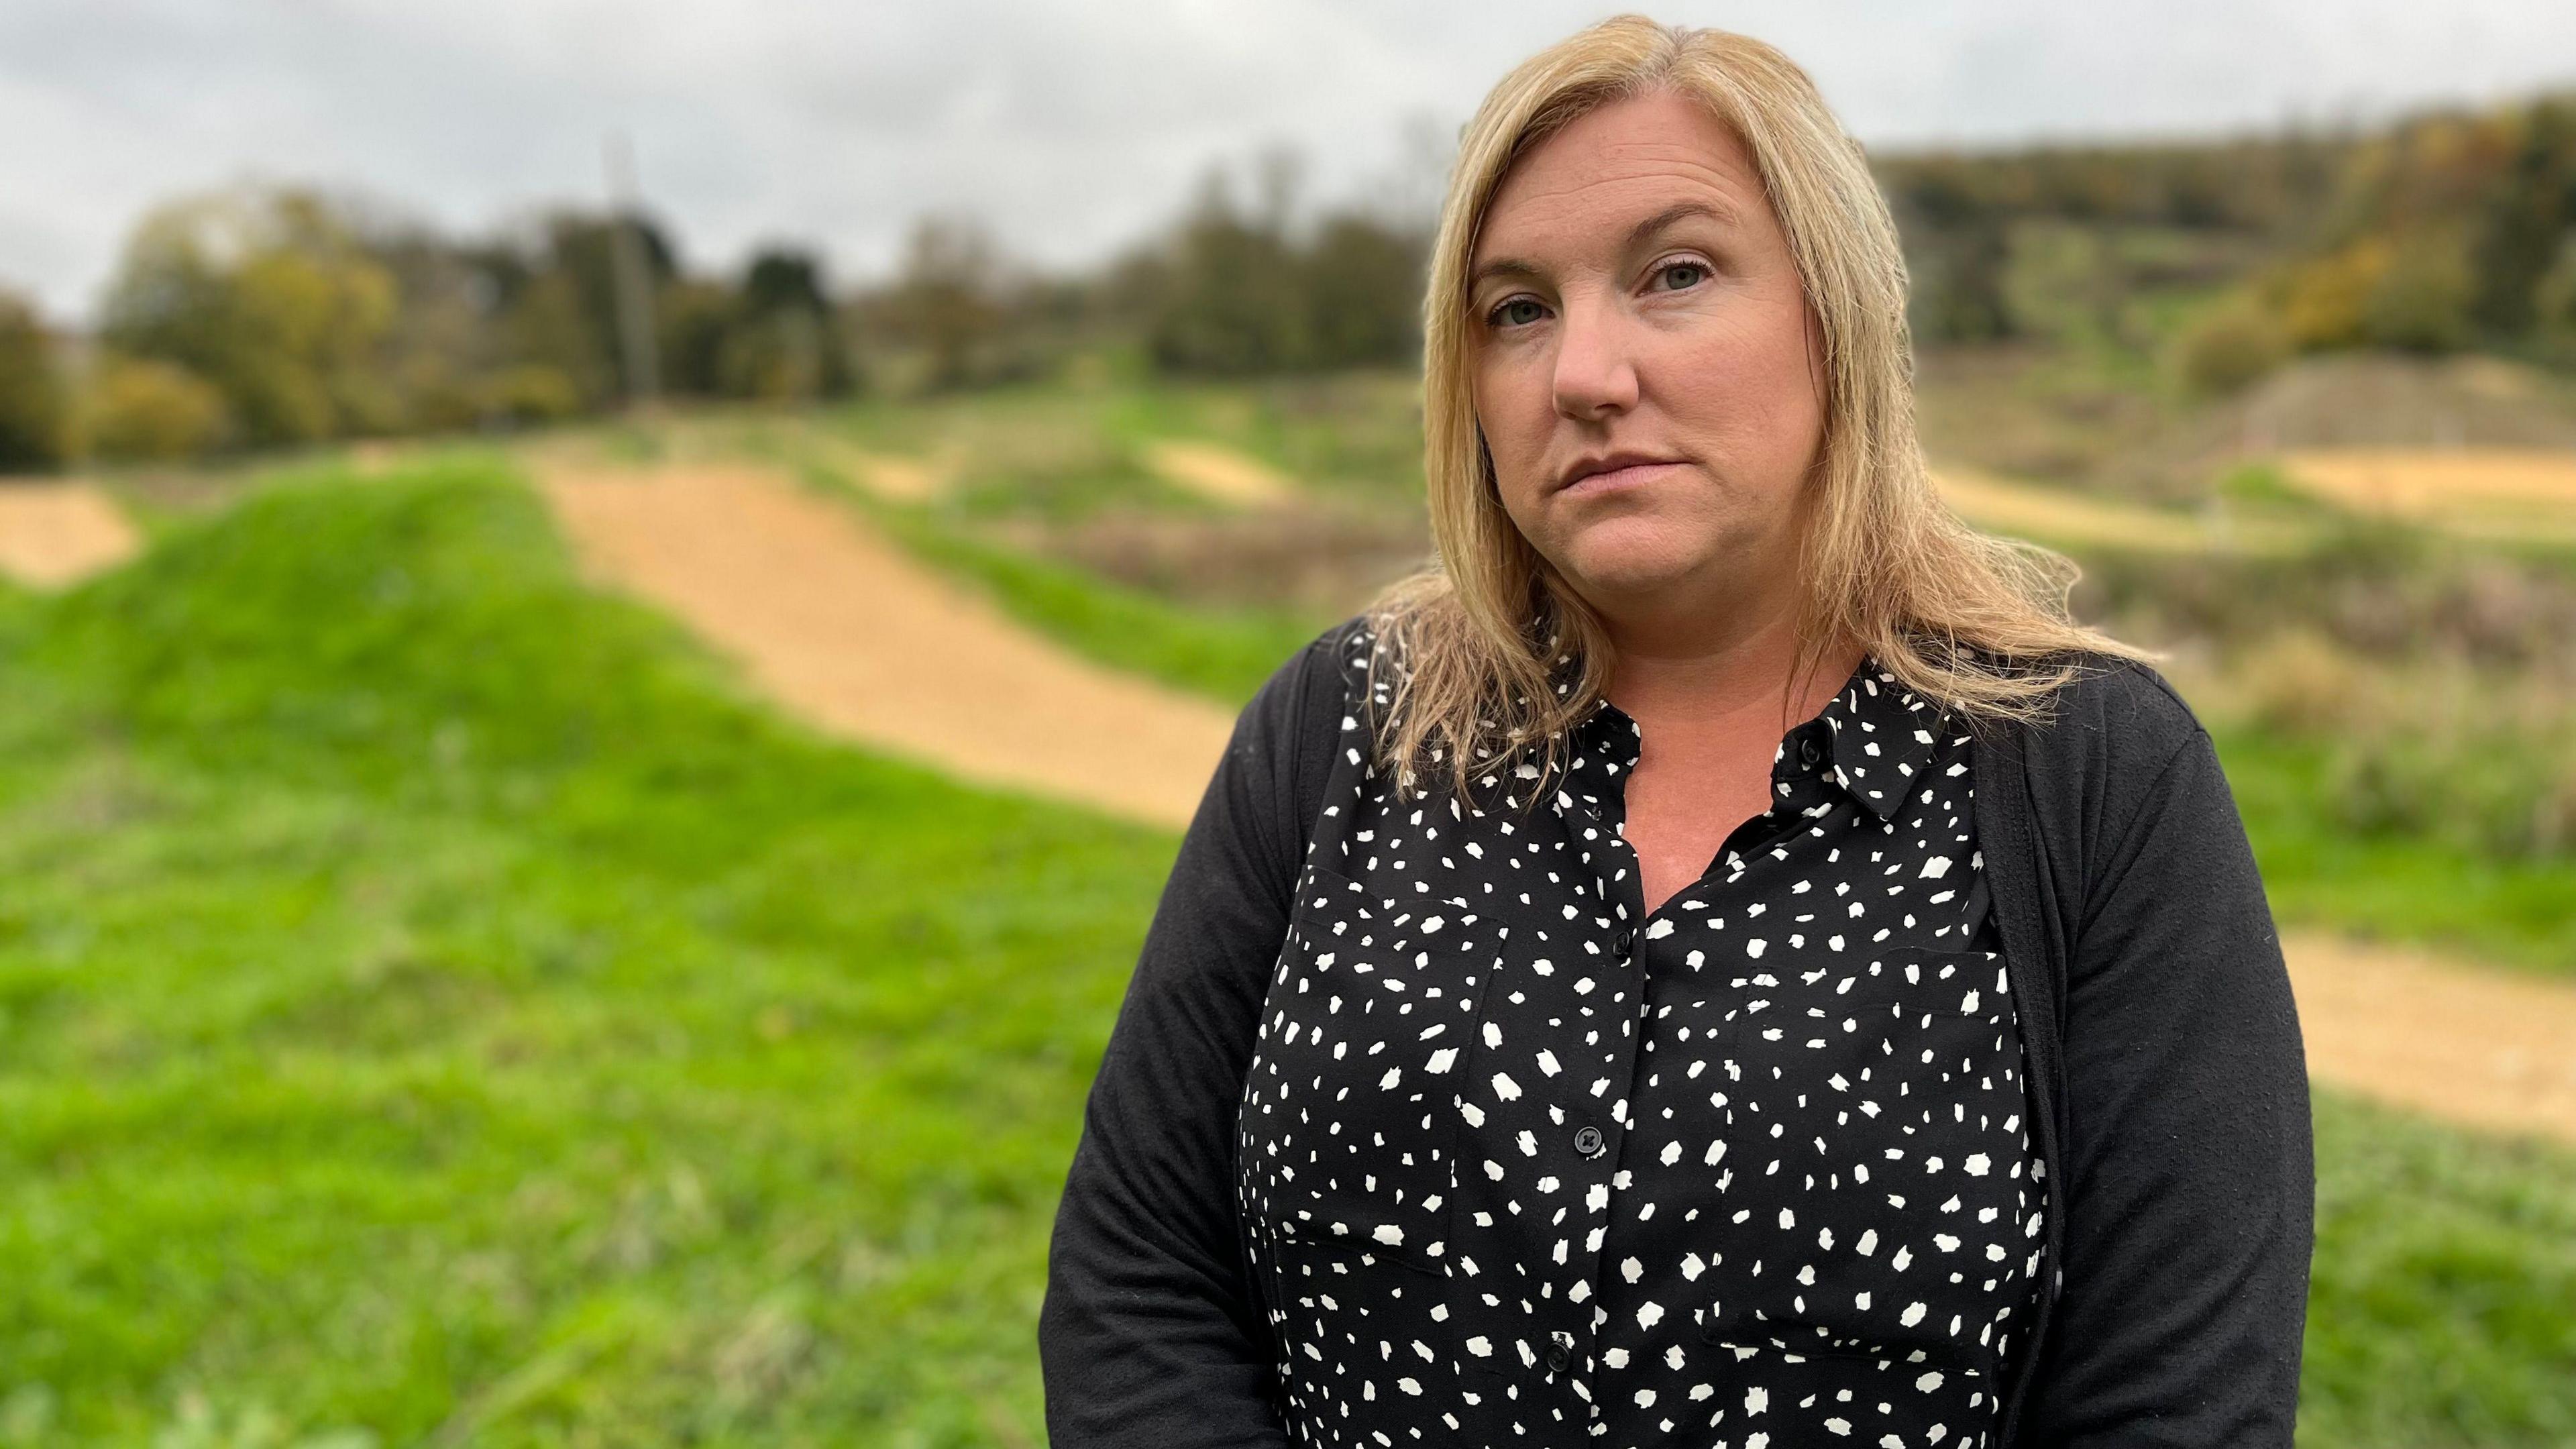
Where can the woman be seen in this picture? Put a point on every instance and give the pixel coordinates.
(1722, 958)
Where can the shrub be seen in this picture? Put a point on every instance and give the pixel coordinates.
(2325, 303)
(530, 393)
(2422, 299)
(145, 411)
(2228, 348)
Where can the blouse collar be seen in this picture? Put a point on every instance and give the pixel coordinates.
(1875, 739)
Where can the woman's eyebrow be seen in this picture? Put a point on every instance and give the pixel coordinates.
(1723, 216)
(1637, 235)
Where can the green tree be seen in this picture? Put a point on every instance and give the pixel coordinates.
(1229, 298)
(2423, 300)
(31, 390)
(554, 301)
(2527, 209)
(780, 343)
(2554, 306)
(949, 303)
(1961, 247)
(1364, 283)
(269, 298)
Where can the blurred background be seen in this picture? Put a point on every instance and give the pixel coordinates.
(613, 612)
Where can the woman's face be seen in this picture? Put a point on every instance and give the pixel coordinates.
(1633, 303)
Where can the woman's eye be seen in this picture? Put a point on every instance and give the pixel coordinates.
(1691, 274)
(1517, 312)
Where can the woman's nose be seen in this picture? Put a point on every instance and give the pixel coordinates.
(1595, 373)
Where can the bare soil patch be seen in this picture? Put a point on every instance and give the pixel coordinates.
(2480, 1048)
(2058, 515)
(2493, 492)
(847, 631)
(53, 535)
(1320, 560)
(1220, 474)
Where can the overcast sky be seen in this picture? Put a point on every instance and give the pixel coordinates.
(1070, 126)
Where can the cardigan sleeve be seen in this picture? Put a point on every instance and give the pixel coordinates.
(1150, 1331)
(2187, 1174)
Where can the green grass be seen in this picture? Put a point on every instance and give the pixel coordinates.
(1062, 450)
(436, 1007)
(2401, 885)
(432, 1001)
(2442, 1304)
(1224, 654)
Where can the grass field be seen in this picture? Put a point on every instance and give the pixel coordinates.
(440, 1009)
(435, 1004)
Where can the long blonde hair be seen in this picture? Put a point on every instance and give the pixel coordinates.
(1482, 661)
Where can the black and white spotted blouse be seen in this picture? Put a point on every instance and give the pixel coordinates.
(1519, 1163)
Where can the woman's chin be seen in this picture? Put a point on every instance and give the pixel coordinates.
(1630, 569)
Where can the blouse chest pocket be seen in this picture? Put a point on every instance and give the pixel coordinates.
(1879, 1194)
(1346, 1124)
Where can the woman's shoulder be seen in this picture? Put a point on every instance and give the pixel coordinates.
(2105, 701)
(1315, 685)
(1303, 718)
(1296, 721)
(2127, 705)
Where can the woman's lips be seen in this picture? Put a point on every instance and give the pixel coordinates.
(1614, 479)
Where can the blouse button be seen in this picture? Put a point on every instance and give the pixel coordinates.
(1587, 1140)
(1809, 751)
(1558, 1354)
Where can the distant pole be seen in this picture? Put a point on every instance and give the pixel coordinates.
(633, 283)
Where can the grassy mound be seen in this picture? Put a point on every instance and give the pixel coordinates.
(434, 1004)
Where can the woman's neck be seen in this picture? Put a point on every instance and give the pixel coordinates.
(1722, 684)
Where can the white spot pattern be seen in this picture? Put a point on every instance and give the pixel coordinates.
(1685, 1142)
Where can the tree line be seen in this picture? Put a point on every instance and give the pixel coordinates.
(2446, 230)
(279, 317)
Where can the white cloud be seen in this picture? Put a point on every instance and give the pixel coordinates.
(1070, 126)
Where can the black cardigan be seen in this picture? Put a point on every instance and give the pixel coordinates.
(2163, 1048)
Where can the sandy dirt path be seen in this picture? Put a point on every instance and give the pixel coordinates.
(1220, 474)
(853, 635)
(2481, 1048)
(2054, 514)
(56, 534)
(2508, 493)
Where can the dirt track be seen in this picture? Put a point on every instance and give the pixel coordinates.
(2057, 515)
(2477, 1047)
(2486, 492)
(56, 534)
(1220, 474)
(853, 635)
(849, 632)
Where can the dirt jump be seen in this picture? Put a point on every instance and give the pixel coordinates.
(2509, 493)
(2482, 1048)
(849, 632)
(2057, 515)
(1219, 474)
(53, 535)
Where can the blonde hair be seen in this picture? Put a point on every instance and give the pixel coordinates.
(1490, 656)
